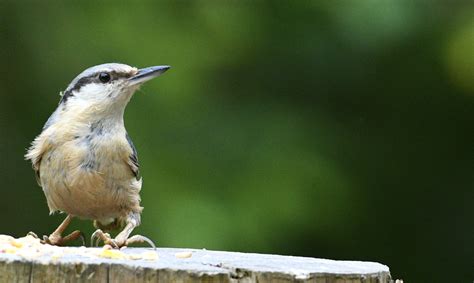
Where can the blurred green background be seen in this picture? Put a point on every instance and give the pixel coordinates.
(335, 129)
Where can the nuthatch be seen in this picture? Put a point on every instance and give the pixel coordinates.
(84, 159)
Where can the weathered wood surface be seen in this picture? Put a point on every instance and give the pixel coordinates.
(183, 265)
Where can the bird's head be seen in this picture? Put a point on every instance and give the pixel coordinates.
(107, 88)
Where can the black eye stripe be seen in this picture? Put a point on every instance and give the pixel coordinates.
(92, 78)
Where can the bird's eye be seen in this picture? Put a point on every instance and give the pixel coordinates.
(104, 77)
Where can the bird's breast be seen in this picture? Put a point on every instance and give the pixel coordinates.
(88, 176)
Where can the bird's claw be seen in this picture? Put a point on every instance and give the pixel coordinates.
(140, 239)
(99, 235)
(32, 234)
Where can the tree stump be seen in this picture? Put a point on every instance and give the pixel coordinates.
(27, 260)
(80, 264)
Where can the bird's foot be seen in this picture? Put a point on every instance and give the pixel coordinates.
(56, 239)
(118, 242)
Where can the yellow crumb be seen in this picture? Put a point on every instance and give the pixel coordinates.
(11, 250)
(113, 254)
(184, 255)
(16, 243)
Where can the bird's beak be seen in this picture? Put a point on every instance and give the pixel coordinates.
(147, 74)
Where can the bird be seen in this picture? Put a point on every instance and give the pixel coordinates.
(86, 162)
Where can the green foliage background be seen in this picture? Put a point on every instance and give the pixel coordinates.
(334, 129)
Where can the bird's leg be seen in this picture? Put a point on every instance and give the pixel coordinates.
(123, 239)
(56, 237)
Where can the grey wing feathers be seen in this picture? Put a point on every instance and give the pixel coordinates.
(133, 158)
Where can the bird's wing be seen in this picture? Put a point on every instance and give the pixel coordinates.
(35, 154)
(133, 159)
(40, 145)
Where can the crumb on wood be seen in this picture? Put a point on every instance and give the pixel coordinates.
(29, 247)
